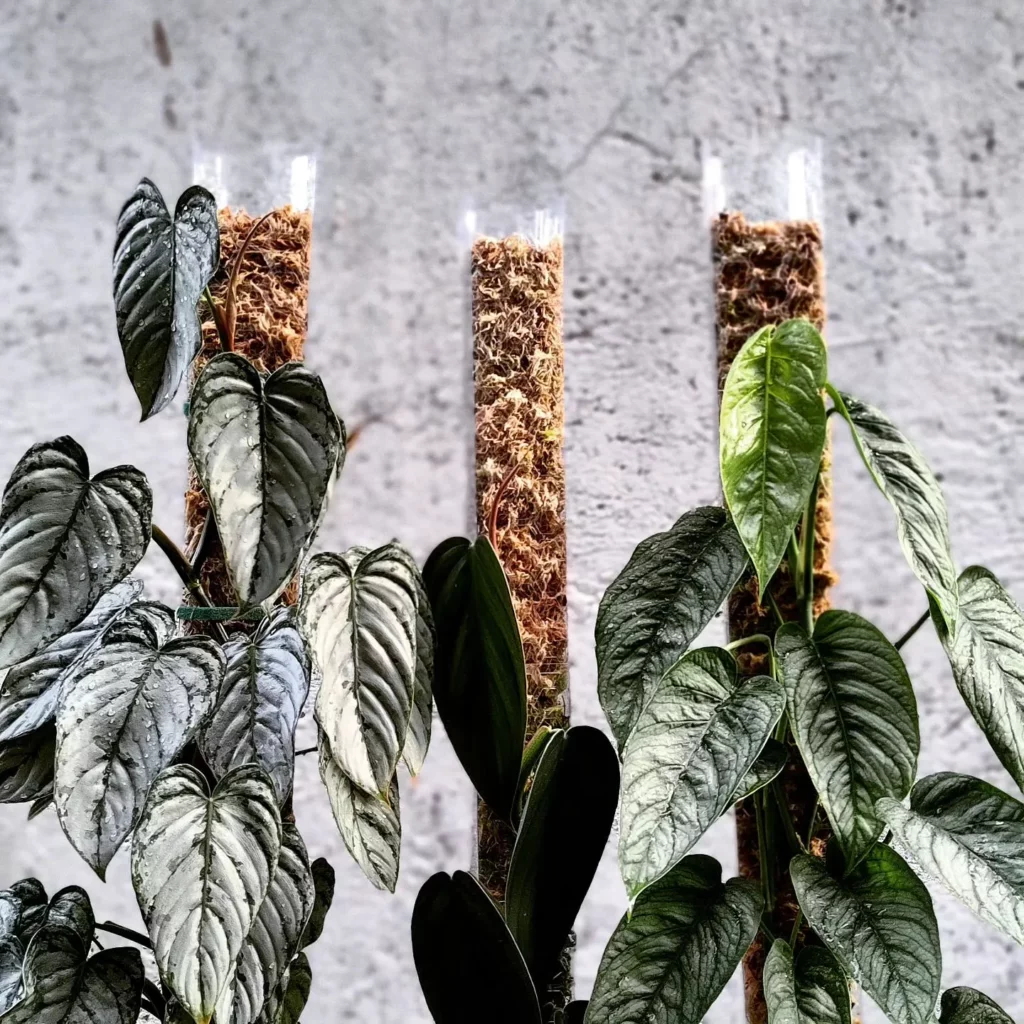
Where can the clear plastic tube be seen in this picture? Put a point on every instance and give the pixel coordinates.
(257, 180)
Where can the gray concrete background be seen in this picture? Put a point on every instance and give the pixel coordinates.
(413, 104)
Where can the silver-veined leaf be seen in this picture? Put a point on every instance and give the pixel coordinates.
(903, 476)
(12, 956)
(358, 613)
(696, 738)
(369, 824)
(854, 717)
(65, 540)
(672, 586)
(879, 924)
(202, 864)
(23, 909)
(965, 1005)
(987, 657)
(31, 689)
(771, 437)
(265, 686)
(969, 836)
(764, 771)
(274, 937)
(26, 766)
(161, 266)
(417, 739)
(670, 958)
(135, 702)
(810, 988)
(266, 451)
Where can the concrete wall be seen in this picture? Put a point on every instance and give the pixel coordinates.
(414, 104)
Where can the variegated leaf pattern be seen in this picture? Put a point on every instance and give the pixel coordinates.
(965, 1005)
(809, 988)
(417, 739)
(26, 766)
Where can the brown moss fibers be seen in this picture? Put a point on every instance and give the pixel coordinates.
(271, 296)
(518, 360)
(766, 273)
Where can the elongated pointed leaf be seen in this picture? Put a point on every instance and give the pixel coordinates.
(134, 704)
(23, 909)
(532, 755)
(257, 710)
(672, 586)
(480, 673)
(965, 1005)
(358, 613)
(65, 540)
(70, 908)
(903, 476)
(274, 937)
(879, 924)
(323, 885)
(854, 716)
(417, 739)
(266, 451)
(161, 266)
(26, 766)
(808, 989)
(31, 689)
(764, 771)
(370, 825)
(110, 990)
(461, 945)
(287, 1005)
(202, 864)
(688, 755)
(772, 436)
(969, 836)
(12, 956)
(987, 657)
(671, 958)
(562, 836)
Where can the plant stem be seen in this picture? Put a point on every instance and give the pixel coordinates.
(200, 553)
(218, 319)
(184, 570)
(126, 933)
(155, 997)
(764, 861)
(913, 629)
(807, 536)
(774, 605)
(306, 750)
(795, 843)
(754, 638)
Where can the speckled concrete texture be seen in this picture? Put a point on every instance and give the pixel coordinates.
(413, 105)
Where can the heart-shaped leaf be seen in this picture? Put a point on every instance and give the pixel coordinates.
(808, 989)
(879, 924)
(22, 909)
(417, 739)
(323, 886)
(70, 908)
(902, 475)
(369, 824)
(161, 266)
(987, 657)
(12, 957)
(266, 452)
(31, 690)
(479, 671)
(562, 836)
(135, 702)
(26, 766)
(969, 836)
(274, 937)
(771, 437)
(671, 957)
(854, 716)
(202, 864)
(764, 771)
(358, 613)
(461, 946)
(965, 1005)
(257, 711)
(694, 742)
(671, 588)
(65, 540)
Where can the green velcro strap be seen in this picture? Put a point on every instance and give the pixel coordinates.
(196, 613)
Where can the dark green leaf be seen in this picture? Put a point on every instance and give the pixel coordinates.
(576, 1011)
(161, 266)
(969, 836)
(969, 1006)
(480, 674)
(671, 958)
(534, 751)
(903, 476)
(65, 540)
(417, 739)
(323, 885)
(671, 588)
(26, 766)
(764, 771)
(687, 757)
(294, 995)
(462, 948)
(987, 657)
(771, 437)
(202, 864)
(879, 924)
(810, 989)
(266, 451)
(358, 612)
(257, 711)
(561, 839)
(854, 716)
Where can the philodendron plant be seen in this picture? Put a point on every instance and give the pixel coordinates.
(138, 730)
(694, 737)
